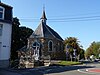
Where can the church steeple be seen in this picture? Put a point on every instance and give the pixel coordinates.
(43, 15)
(43, 18)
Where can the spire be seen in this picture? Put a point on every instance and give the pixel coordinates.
(43, 14)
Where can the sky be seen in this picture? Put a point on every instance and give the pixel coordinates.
(69, 18)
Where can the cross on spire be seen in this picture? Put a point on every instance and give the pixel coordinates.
(43, 7)
(43, 14)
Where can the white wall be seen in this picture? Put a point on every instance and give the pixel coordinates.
(6, 41)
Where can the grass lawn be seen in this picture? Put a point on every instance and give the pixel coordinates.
(67, 63)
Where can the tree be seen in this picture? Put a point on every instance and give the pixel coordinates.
(74, 47)
(93, 49)
(19, 37)
(82, 54)
(15, 38)
(25, 32)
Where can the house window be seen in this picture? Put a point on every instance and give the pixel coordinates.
(1, 29)
(50, 46)
(1, 12)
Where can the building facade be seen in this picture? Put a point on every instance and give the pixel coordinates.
(5, 34)
(43, 43)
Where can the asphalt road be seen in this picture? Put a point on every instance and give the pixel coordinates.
(72, 70)
(70, 73)
(54, 70)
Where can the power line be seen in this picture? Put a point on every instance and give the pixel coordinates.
(76, 18)
(62, 16)
(70, 19)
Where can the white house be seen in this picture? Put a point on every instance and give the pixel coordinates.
(5, 34)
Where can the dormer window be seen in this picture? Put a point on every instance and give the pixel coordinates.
(1, 12)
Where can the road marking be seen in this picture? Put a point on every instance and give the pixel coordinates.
(86, 71)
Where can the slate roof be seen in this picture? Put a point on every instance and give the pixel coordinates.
(44, 30)
(54, 33)
(5, 5)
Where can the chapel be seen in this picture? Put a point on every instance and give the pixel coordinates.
(43, 43)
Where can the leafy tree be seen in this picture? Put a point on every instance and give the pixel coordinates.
(93, 49)
(19, 37)
(15, 38)
(24, 34)
(72, 44)
(82, 54)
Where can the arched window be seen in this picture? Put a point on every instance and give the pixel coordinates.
(50, 46)
(1, 12)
